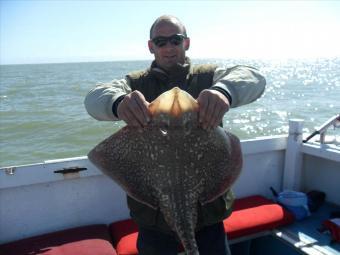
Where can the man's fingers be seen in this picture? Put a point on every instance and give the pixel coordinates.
(217, 117)
(213, 105)
(210, 114)
(203, 105)
(133, 109)
(137, 112)
(221, 108)
(144, 110)
(131, 119)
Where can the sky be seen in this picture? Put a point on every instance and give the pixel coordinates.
(84, 31)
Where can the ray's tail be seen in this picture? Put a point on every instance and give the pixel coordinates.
(182, 218)
(188, 240)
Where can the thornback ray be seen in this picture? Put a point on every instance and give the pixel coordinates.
(172, 164)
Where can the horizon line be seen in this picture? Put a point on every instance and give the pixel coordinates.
(142, 60)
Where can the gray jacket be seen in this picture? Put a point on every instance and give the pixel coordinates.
(244, 84)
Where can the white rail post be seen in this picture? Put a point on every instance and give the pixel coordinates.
(293, 159)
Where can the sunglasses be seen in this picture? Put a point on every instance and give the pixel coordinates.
(161, 41)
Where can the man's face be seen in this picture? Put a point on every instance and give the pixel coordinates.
(169, 54)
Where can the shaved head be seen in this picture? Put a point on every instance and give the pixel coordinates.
(168, 19)
(170, 54)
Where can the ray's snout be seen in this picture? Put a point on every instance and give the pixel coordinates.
(174, 107)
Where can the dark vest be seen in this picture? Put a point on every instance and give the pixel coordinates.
(151, 83)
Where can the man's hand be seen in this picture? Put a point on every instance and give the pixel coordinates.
(212, 106)
(133, 109)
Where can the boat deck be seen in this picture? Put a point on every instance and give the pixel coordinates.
(301, 237)
(305, 234)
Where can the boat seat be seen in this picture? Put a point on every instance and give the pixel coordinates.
(255, 214)
(124, 236)
(250, 215)
(86, 240)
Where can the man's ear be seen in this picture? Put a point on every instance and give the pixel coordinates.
(150, 45)
(186, 43)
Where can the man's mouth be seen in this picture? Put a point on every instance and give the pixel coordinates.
(170, 57)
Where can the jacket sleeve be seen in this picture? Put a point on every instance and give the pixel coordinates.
(244, 84)
(99, 101)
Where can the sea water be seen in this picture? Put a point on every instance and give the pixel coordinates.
(42, 115)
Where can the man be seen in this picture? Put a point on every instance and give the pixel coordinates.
(216, 90)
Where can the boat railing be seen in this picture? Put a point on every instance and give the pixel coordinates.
(333, 121)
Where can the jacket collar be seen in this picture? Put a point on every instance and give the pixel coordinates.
(178, 74)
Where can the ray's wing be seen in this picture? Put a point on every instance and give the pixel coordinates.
(220, 164)
(124, 157)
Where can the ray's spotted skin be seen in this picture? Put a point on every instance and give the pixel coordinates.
(172, 164)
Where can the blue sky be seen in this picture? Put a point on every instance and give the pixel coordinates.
(72, 31)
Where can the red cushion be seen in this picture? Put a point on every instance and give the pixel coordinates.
(124, 235)
(255, 214)
(250, 215)
(86, 240)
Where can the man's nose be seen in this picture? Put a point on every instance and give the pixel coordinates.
(169, 45)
